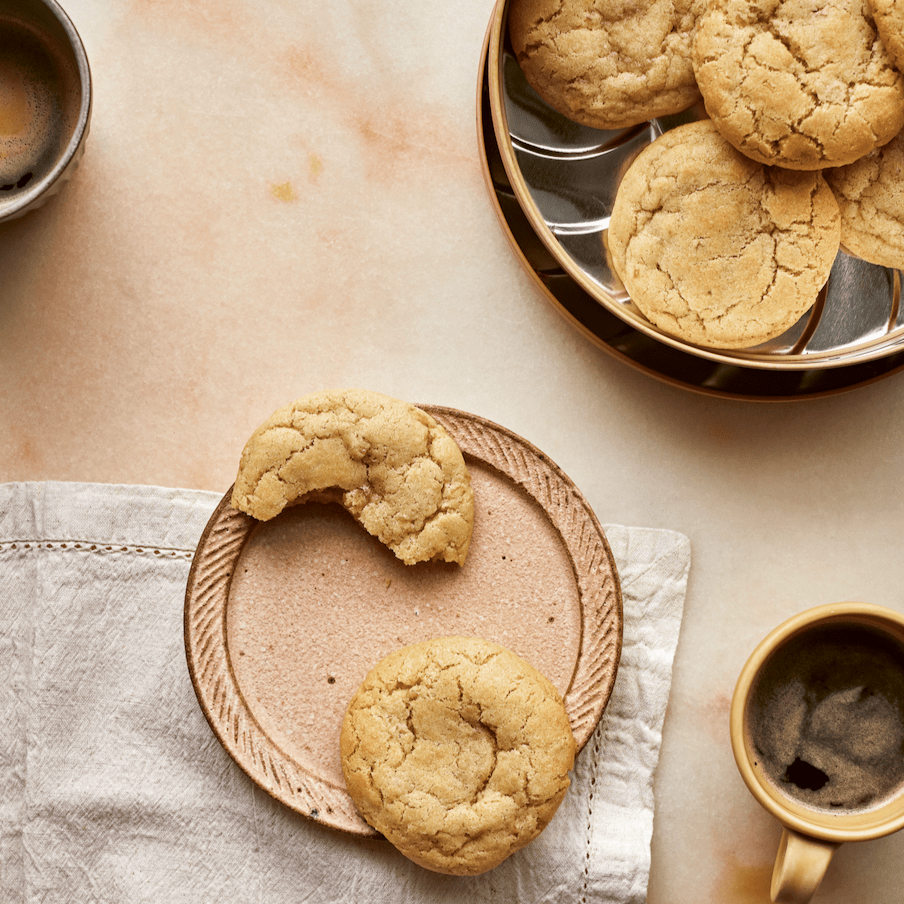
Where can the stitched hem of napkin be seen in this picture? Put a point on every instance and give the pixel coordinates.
(595, 747)
(96, 548)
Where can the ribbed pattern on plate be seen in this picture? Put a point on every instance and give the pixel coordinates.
(207, 650)
(220, 547)
(592, 561)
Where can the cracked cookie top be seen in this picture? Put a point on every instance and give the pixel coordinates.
(870, 195)
(387, 462)
(889, 18)
(803, 84)
(715, 248)
(458, 751)
(608, 64)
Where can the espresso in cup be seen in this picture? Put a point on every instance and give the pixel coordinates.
(40, 98)
(825, 718)
(817, 731)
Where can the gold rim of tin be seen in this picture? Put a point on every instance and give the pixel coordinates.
(865, 351)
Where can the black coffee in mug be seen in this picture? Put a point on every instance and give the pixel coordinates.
(39, 105)
(826, 717)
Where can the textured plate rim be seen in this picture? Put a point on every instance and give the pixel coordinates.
(223, 539)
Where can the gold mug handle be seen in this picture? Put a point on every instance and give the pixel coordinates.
(799, 867)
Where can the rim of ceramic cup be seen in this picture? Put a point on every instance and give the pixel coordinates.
(862, 825)
(24, 201)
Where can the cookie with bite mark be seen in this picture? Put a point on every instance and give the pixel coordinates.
(390, 464)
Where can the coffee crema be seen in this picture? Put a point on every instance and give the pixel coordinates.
(825, 718)
(39, 105)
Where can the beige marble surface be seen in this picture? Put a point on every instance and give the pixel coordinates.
(280, 196)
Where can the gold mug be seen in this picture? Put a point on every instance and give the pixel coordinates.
(809, 700)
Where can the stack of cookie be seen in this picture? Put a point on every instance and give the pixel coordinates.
(724, 231)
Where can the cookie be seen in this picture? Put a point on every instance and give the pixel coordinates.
(609, 64)
(716, 249)
(803, 84)
(870, 195)
(458, 751)
(387, 462)
(889, 18)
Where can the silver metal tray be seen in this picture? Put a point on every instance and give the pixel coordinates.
(640, 349)
(564, 177)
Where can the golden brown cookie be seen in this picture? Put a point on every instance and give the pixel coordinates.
(390, 464)
(870, 195)
(889, 18)
(458, 751)
(715, 248)
(608, 64)
(803, 84)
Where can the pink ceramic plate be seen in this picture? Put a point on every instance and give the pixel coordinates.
(284, 618)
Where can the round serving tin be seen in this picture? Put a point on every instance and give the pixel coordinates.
(563, 178)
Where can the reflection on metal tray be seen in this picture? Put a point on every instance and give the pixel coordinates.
(565, 175)
(634, 347)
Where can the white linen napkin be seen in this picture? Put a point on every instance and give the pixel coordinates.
(114, 789)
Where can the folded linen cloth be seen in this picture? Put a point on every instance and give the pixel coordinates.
(114, 789)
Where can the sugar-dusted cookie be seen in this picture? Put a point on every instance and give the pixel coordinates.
(803, 84)
(390, 464)
(458, 751)
(889, 18)
(715, 248)
(608, 64)
(870, 195)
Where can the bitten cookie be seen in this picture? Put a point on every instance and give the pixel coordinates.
(458, 751)
(390, 464)
(609, 64)
(889, 18)
(870, 195)
(803, 84)
(715, 248)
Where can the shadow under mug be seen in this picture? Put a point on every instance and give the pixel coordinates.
(45, 103)
(812, 834)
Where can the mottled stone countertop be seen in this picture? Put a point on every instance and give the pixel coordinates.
(281, 196)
